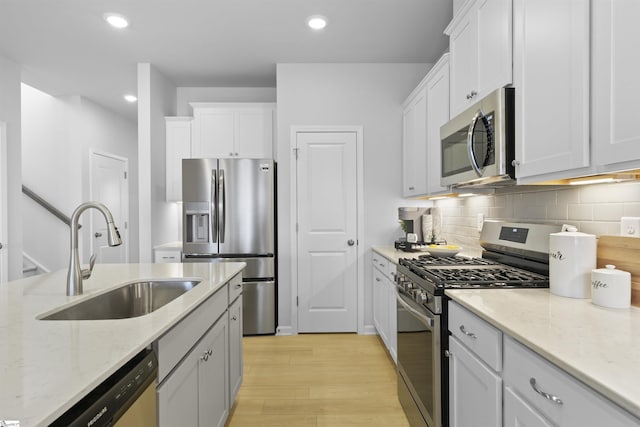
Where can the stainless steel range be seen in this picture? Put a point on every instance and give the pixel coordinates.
(515, 255)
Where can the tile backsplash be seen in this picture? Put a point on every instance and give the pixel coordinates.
(594, 209)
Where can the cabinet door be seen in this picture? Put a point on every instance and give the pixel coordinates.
(254, 130)
(213, 133)
(437, 115)
(392, 330)
(475, 391)
(380, 312)
(235, 349)
(178, 396)
(178, 147)
(213, 376)
(615, 84)
(414, 146)
(551, 79)
(463, 43)
(518, 413)
(495, 22)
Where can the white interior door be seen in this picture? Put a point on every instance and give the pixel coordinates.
(326, 193)
(109, 185)
(4, 251)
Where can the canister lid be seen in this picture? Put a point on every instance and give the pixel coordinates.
(610, 269)
(571, 231)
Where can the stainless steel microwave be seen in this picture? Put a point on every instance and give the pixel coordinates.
(477, 146)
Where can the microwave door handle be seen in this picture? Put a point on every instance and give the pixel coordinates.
(470, 150)
(214, 206)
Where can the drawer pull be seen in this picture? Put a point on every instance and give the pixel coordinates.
(469, 334)
(551, 397)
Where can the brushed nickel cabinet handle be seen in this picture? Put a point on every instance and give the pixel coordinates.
(551, 397)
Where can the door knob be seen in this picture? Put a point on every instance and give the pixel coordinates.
(98, 235)
(350, 242)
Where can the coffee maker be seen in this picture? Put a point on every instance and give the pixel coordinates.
(411, 219)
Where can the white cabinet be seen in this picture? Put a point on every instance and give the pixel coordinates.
(164, 255)
(178, 147)
(615, 66)
(414, 143)
(517, 412)
(425, 110)
(475, 362)
(384, 302)
(200, 361)
(480, 39)
(551, 80)
(437, 114)
(243, 130)
(197, 392)
(235, 348)
(549, 393)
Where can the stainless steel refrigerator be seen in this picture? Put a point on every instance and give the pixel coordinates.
(229, 215)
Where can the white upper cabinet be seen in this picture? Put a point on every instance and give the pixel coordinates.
(425, 110)
(242, 130)
(551, 80)
(414, 144)
(480, 38)
(615, 84)
(437, 115)
(178, 147)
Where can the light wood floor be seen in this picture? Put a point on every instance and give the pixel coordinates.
(317, 380)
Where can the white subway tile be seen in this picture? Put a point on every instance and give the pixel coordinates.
(599, 228)
(580, 212)
(632, 209)
(608, 211)
(568, 195)
(621, 192)
(558, 212)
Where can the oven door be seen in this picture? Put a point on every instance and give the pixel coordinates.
(419, 362)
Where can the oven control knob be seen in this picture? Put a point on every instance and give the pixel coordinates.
(423, 298)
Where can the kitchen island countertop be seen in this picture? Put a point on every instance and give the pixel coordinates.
(47, 366)
(599, 346)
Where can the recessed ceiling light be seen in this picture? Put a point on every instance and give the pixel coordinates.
(116, 20)
(317, 22)
(130, 98)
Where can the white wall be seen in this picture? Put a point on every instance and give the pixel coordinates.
(186, 95)
(10, 114)
(58, 134)
(158, 219)
(594, 209)
(367, 95)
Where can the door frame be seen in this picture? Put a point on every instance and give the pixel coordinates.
(293, 202)
(4, 229)
(123, 229)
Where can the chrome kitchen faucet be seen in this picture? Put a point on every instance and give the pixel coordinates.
(76, 274)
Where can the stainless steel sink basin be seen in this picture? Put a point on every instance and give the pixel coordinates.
(131, 300)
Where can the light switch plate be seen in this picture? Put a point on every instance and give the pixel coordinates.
(630, 226)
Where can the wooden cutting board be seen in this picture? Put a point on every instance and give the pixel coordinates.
(624, 253)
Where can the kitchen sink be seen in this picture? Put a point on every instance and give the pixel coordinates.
(127, 301)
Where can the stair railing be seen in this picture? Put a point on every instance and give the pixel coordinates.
(48, 206)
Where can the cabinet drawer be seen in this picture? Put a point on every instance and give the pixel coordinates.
(167, 255)
(391, 271)
(172, 346)
(575, 404)
(479, 336)
(380, 262)
(235, 287)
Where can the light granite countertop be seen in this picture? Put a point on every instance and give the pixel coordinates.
(599, 346)
(47, 366)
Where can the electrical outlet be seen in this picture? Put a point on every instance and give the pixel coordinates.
(630, 226)
(479, 221)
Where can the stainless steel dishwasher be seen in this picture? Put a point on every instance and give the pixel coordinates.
(126, 398)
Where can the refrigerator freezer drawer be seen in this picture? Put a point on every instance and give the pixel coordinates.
(259, 308)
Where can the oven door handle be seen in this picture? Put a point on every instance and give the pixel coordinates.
(428, 321)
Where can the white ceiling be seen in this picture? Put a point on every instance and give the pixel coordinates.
(66, 48)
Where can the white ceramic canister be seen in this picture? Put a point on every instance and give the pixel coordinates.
(611, 287)
(572, 256)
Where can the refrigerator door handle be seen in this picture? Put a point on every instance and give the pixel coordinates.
(222, 205)
(214, 207)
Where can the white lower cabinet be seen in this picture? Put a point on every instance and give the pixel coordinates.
(475, 384)
(235, 349)
(384, 302)
(200, 362)
(519, 413)
(553, 394)
(197, 392)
